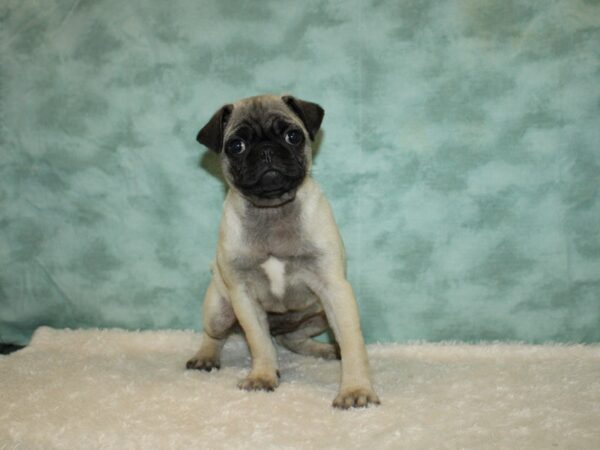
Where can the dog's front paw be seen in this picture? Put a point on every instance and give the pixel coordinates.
(356, 397)
(206, 364)
(260, 382)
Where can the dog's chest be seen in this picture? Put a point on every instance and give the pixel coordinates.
(274, 270)
(278, 253)
(279, 285)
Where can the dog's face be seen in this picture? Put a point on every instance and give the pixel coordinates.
(265, 145)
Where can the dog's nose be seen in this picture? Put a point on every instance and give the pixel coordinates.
(267, 155)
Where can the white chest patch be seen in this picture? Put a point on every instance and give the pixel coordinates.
(275, 271)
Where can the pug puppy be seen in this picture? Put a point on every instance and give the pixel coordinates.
(280, 264)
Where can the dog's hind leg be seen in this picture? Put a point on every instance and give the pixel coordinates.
(309, 347)
(300, 340)
(218, 321)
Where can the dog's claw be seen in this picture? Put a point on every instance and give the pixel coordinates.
(258, 383)
(203, 364)
(356, 398)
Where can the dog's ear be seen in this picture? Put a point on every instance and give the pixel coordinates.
(211, 135)
(311, 114)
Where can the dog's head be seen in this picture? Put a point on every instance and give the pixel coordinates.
(264, 143)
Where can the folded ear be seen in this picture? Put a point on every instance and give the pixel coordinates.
(211, 135)
(311, 114)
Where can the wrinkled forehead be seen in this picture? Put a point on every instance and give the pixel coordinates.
(260, 112)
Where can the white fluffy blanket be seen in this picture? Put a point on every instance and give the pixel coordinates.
(119, 389)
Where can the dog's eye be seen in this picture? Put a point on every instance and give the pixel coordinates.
(294, 137)
(236, 146)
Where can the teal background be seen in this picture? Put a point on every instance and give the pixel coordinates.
(460, 152)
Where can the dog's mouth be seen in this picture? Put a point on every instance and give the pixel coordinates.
(272, 184)
(273, 188)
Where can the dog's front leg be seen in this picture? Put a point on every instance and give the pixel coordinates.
(342, 314)
(253, 320)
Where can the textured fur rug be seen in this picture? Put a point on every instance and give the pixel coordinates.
(118, 389)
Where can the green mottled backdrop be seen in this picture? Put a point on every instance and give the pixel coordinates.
(460, 151)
